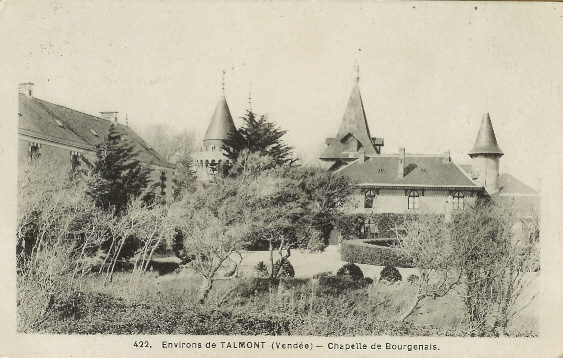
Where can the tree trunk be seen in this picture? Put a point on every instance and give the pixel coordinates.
(205, 288)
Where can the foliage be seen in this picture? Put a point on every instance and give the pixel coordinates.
(175, 146)
(286, 269)
(58, 231)
(389, 225)
(260, 137)
(486, 250)
(184, 178)
(349, 225)
(336, 285)
(361, 252)
(495, 257)
(215, 224)
(426, 243)
(352, 270)
(390, 274)
(117, 177)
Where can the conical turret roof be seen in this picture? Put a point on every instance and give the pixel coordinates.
(353, 123)
(221, 124)
(486, 142)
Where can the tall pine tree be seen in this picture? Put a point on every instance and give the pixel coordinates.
(260, 137)
(117, 176)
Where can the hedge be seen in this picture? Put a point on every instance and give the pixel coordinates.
(362, 252)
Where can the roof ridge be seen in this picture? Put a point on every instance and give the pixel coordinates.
(70, 109)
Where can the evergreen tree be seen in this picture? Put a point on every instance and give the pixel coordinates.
(184, 178)
(117, 177)
(261, 137)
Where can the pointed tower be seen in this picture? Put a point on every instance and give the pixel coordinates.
(211, 157)
(353, 139)
(485, 157)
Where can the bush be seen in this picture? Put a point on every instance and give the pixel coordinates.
(351, 270)
(261, 269)
(316, 243)
(390, 274)
(336, 285)
(359, 251)
(287, 269)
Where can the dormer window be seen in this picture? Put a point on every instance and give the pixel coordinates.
(59, 123)
(93, 132)
(381, 170)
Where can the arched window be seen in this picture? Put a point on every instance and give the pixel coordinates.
(413, 200)
(458, 199)
(369, 197)
(206, 163)
(371, 231)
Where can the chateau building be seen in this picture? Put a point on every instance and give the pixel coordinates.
(409, 183)
(48, 130)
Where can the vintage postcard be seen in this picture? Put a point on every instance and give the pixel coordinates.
(255, 179)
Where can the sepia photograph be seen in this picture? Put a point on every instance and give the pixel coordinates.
(281, 178)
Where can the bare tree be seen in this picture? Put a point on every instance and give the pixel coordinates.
(215, 225)
(426, 242)
(498, 260)
(172, 145)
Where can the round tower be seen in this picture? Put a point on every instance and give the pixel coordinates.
(485, 157)
(211, 157)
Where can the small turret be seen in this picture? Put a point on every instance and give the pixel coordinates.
(485, 157)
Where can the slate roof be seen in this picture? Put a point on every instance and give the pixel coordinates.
(509, 185)
(486, 142)
(420, 171)
(221, 124)
(40, 119)
(355, 123)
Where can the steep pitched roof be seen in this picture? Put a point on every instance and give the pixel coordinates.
(420, 171)
(486, 142)
(55, 123)
(221, 124)
(353, 123)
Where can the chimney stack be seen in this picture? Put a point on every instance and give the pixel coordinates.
(26, 88)
(110, 116)
(362, 155)
(401, 168)
(447, 157)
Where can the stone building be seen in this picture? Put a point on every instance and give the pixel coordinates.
(48, 130)
(408, 183)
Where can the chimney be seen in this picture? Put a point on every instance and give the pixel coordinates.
(362, 155)
(401, 168)
(447, 157)
(26, 88)
(110, 116)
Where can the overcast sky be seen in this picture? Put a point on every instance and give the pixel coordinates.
(429, 71)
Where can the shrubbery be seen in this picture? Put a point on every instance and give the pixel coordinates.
(352, 270)
(390, 274)
(359, 251)
(336, 285)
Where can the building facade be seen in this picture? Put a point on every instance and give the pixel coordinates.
(48, 130)
(401, 183)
